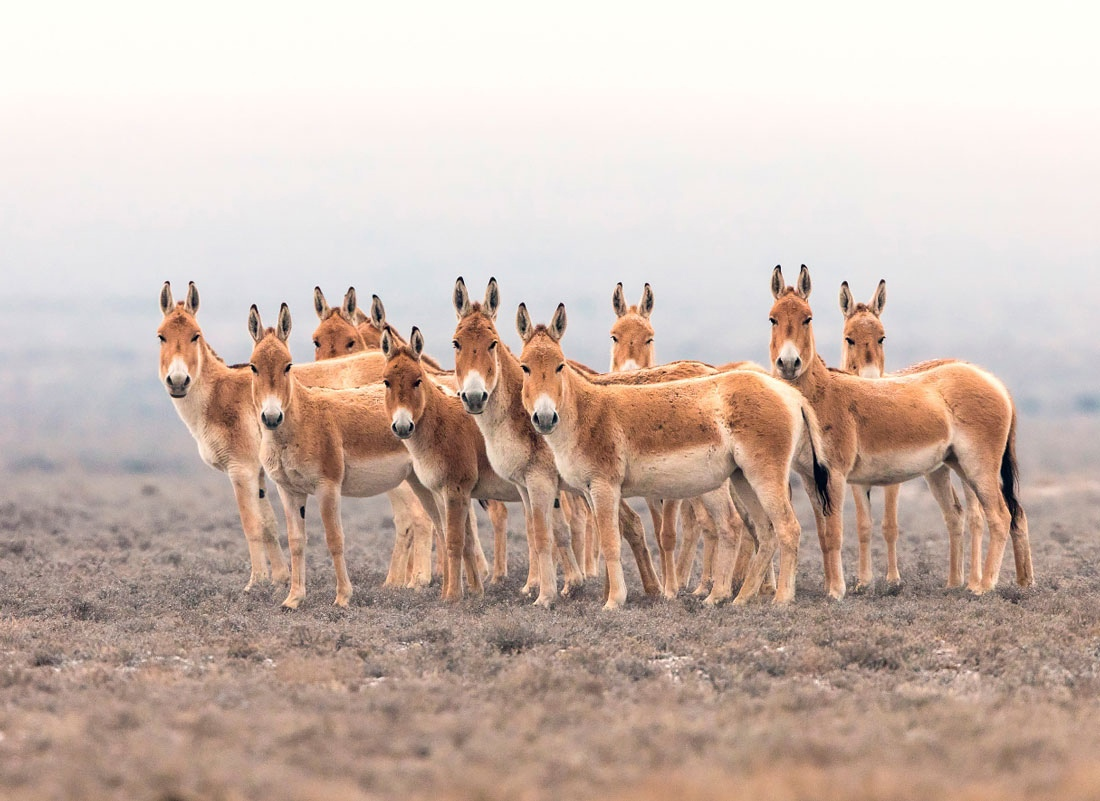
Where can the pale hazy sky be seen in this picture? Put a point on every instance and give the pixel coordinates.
(262, 148)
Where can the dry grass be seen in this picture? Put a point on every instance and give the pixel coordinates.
(133, 666)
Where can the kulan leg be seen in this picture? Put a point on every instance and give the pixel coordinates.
(475, 549)
(280, 571)
(456, 516)
(861, 494)
(939, 482)
(294, 509)
(634, 533)
(498, 516)
(574, 576)
(328, 498)
(539, 501)
(890, 532)
(766, 541)
(471, 549)
(402, 501)
(246, 490)
(666, 544)
(975, 530)
(689, 542)
(719, 508)
(606, 505)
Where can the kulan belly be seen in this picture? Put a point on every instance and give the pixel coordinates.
(370, 477)
(897, 466)
(683, 473)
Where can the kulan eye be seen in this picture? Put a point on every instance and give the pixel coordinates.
(807, 321)
(614, 338)
(526, 370)
(560, 367)
(649, 341)
(316, 343)
(287, 368)
(385, 383)
(417, 383)
(161, 338)
(492, 344)
(881, 340)
(849, 340)
(773, 321)
(252, 367)
(456, 345)
(351, 344)
(196, 337)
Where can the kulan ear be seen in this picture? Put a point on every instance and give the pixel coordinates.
(282, 328)
(255, 327)
(618, 302)
(778, 284)
(388, 350)
(461, 298)
(191, 302)
(645, 308)
(557, 323)
(377, 313)
(351, 305)
(523, 323)
(166, 301)
(416, 342)
(492, 299)
(847, 303)
(878, 302)
(804, 287)
(320, 305)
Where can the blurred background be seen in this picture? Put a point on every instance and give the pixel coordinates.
(261, 149)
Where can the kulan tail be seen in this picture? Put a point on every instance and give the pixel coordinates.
(1010, 475)
(817, 451)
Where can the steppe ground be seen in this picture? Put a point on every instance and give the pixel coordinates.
(133, 666)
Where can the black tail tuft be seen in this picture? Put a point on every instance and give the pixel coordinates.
(821, 472)
(1010, 475)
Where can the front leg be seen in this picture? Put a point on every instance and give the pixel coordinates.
(246, 490)
(864, 525)
(294, 509)
(605, 503)
(328, 496)
(456, 516)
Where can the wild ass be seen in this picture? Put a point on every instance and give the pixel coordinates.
(887, 430)
(676, 439)
(633, 348)
(323, 442)
(447, 450)
(214, 400)
(863, 353)
(490, 382)
(345, 329)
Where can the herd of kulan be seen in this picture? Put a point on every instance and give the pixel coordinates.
(709, 448)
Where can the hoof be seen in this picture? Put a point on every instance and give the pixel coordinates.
(341, 602)
(528, 588)
(280, 576)
(544, 602)
(863, 588)
(611, 605)
(291, 603)
(893, 587)
(740, 600)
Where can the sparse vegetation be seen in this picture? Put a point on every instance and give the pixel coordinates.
(132, 665)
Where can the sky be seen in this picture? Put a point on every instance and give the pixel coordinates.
(260, 149)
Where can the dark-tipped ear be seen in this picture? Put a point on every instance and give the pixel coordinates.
(804, 287)
(618, 302)
(255, 327)
(282, 328)
(191, 302)
(778, 284)
(461, 298)
(388, 349)
(416, 342)
(351, 304)
(320, 305)
(166, 301)
(878, 302)
(492, 299)
(556, 328)
(645, 308)
(847, 302)
(523, 323)
(377, 313)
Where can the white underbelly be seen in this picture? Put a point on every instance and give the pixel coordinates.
(683, 473)
(893, 468)
(374, 476)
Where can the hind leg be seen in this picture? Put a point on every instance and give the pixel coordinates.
(890, 532)
(666, 543)
(498, 516)
(939, 482)
(766, 541)
(975, 528)
(862, 497)
(719, 508)
(685, 556)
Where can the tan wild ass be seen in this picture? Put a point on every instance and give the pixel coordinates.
(863, 353)
(633, 348)
(214, 400)
(323, 442)
(676, 439)
(345, 329)
(920, 423)
(447, 450)
(490, 384)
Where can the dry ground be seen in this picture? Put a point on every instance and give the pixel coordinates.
(133, 666)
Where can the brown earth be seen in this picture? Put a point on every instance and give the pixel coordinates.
(133, 666)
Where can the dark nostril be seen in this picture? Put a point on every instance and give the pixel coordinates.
(555, 418)
(463, 396)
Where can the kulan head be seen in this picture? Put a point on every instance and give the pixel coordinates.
(863, 351)
(337, 333)
(404, 379)
(477, 346)
(543, 365)
(632, 334)
(181, 349)
(272, 385)
(792, 342)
